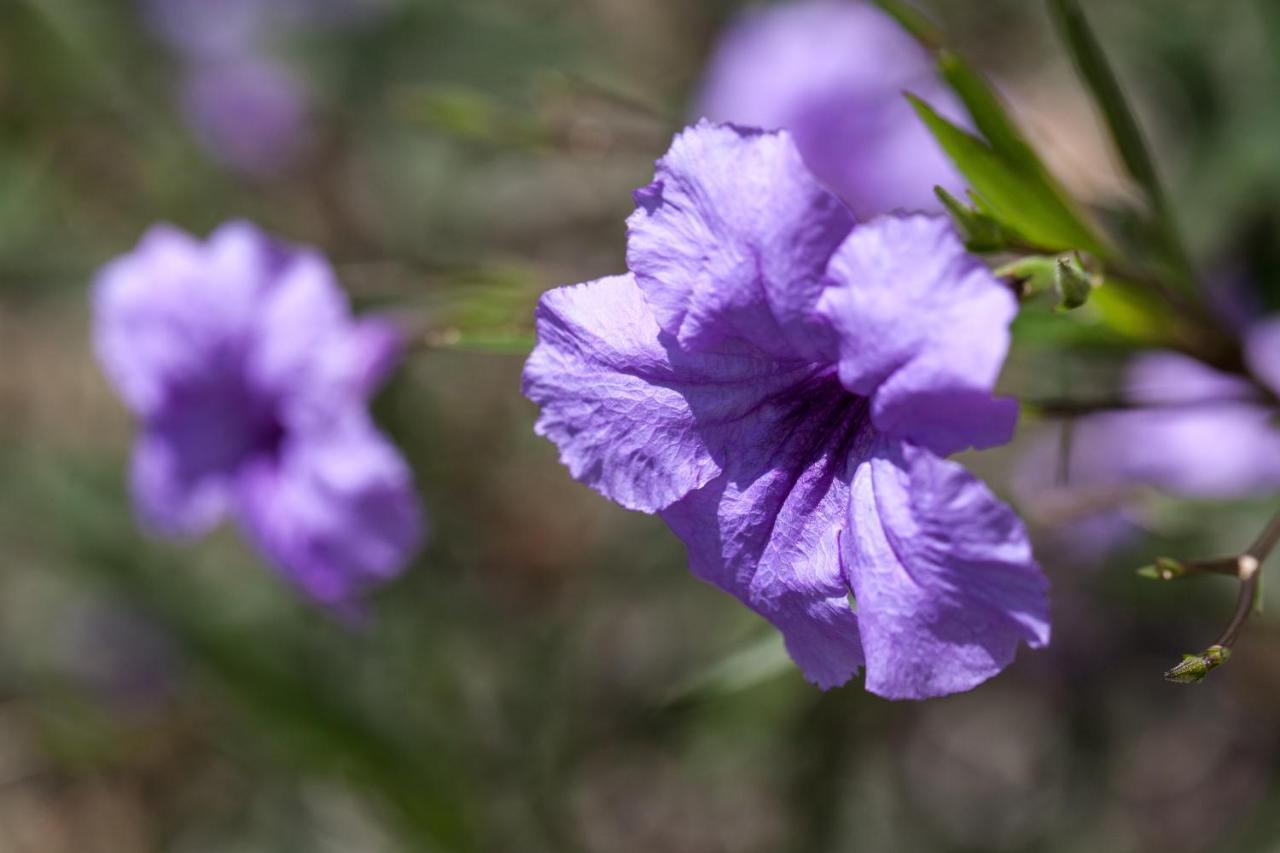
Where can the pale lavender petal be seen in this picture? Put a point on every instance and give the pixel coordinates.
(205, 31)
(833, 72)
(1161, 378)
(942, 573)
(768, 530)
(923, 330)
(731, 239)
(166, 311)
(308, 352)
(175, 495)
(378, 345)
(1204, 436)
(634, 416)
(1262, 349)
(336, 513)
(1211, 452)
(249, 113)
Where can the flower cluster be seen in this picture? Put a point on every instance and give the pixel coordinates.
(251, 380)
(782, 386)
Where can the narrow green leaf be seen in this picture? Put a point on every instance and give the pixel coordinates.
(756, 663)
(1026, 206)
(980, 232)
(913, 21)
(988, 113)
(1126, 134)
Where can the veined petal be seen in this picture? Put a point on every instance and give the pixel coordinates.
(923, 330)
(731, 239)
(336, 512)
(634, 416)
(768, 530)
(942, 572)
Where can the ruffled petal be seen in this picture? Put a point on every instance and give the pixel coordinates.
(634, 416)
(768, 530)
(923, 330)
(942, 573)
(175, 493)
(309, 353)
(336, 513)
(731, 239)
(174, 307)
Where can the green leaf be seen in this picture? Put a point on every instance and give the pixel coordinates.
(1126, 134)
(1025, 204)
(913, 21)
(980, 232)
(988, 113)
(761, 661)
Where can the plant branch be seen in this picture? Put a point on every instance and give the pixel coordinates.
(1247, 568)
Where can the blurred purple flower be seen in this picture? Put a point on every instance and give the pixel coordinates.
(215, 30)
(251, 380)
(776, 383)
(1201, 434)
(250, 115)
(247, 108)
(833, 72)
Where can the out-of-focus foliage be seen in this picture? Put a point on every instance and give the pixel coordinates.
(548, 676)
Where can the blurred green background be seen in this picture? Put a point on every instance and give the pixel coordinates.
(548, 677)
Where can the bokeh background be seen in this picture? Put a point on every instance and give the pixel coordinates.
(547, 676)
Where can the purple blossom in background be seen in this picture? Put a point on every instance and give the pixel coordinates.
(833, 72)
(249, 110)
(780, 386)
(1201, 434)
(251, 115)
(251, 380)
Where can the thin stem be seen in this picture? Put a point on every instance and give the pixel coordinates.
(1067, 408)
(1244, 606)
(1266, 541)
(1247, 567)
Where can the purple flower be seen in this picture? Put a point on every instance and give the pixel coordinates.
(249, 114)
(776, 384)
(248, 109)
(1200, 434)
(251, 380)
(833, 72)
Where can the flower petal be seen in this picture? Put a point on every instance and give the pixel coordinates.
(767, 531)
(1262, 349)
(1207, 435)
(176, 493)
(923, 330)
(635, 417)
(171, 308)
(731, 239)
(308, 351)
(942, 573)
(833, 73)
(336, 513)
